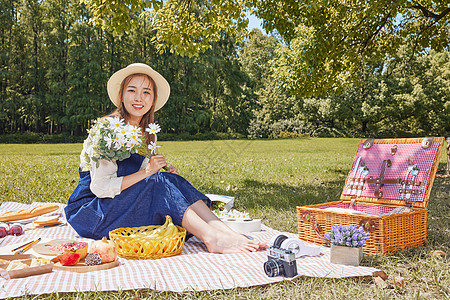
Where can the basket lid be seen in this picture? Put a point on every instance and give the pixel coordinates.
(394, 171)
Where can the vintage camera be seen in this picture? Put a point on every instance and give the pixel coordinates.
(281, 262)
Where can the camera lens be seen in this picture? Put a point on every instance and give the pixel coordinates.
(273, 267)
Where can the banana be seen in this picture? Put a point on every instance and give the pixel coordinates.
(171, 229)
(169, 233)
(155, 232)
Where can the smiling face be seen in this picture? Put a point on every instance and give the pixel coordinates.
(138, 97)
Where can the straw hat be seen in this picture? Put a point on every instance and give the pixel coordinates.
(116, 79)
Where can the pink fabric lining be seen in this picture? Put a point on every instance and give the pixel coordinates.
(369, 209)
(373, 159)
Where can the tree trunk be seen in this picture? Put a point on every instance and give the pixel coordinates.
(448, 156)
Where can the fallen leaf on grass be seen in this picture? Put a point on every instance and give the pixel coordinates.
(381, 274)
(381, 284)
(438, 253)
(398, 281)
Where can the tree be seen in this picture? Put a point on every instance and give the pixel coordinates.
(255, 56)
(7, 22)
(328, 43)
(185, 27)
(331, 40)
(413, 96)
(58, 22)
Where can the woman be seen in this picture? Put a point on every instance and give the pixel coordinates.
(133, 192)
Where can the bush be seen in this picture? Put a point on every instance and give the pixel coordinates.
(35, 138)
(258, 129)
(291, 128)
(327, 132)
(211, 135)
(291, 135)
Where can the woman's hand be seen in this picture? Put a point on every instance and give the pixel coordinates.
(155, 163)
(172, 170)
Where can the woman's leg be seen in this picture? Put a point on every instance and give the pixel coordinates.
(216, 238)
(209, 217)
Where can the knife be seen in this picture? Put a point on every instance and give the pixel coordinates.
(355, 169)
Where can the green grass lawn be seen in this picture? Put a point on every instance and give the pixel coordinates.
(269, 178)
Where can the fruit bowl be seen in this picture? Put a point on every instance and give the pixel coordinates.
(139, 243)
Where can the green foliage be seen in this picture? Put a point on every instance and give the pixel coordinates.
(186, 27)
(256, 55)
(327, 51)
(120, 16)
(329, 42)
(403, 95)
(55, 65)
(40, 138)
(280, 129)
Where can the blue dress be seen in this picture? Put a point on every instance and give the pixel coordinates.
(144, 203)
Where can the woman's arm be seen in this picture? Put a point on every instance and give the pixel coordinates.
(104, 180)
(106, 184)
(154, 165)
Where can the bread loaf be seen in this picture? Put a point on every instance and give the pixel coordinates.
(27, 213)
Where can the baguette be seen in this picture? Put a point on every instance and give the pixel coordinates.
(27, 213)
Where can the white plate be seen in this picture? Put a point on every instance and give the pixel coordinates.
(24, 221)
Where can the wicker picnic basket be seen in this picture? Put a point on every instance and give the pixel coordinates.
(387, 192)
(134, 242)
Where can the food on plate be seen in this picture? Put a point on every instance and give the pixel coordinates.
(27, 213)
(69, 258)
(76, 247)
(93, 259)
(46, 221)
(36, 262)
(16, 265)
(105, 248)
(57, 246)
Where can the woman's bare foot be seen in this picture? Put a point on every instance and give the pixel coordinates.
(217, 236)
(231, 242)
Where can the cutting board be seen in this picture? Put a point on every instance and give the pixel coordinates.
(50, 248)
(82, 268)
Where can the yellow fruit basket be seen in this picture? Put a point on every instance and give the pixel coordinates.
(144, 243)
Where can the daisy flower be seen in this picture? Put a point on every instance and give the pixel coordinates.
(115, 123)
(109, 140)
(152, 147)
(153, 128)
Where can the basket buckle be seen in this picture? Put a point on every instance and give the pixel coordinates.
(427, 142)
(368, 144)
(307, 216)
(368, 225)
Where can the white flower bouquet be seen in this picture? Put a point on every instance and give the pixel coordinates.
(112, 139)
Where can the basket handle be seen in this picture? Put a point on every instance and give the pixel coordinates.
(308, 217)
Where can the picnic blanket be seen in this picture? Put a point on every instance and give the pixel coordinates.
(195, 269)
